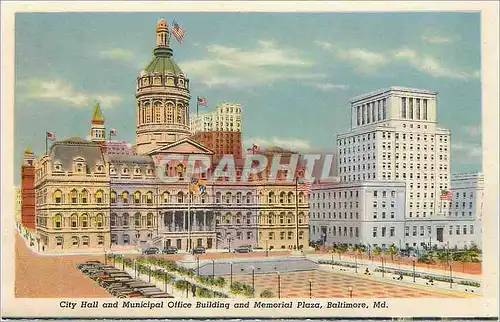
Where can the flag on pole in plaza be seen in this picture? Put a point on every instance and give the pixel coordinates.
(112, 132)
(446, 195)
(197, 186)
(201, 101)
(51, 136)
(177, 31)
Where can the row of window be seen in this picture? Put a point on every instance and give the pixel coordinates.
(371, 112)
(318, 215)
(417, 108)
(139, 220)
(351, 205)
(137, 171)
(76, 197)
(342, 231)
(76, 221)
(282, 235)
(76, 241)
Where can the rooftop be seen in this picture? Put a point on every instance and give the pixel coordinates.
(392, 89)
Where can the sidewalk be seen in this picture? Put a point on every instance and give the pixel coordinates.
(390, 265)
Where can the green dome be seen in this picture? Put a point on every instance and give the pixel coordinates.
(163, 63)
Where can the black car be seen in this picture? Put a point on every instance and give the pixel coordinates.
(170, 250)
(151, 251)
(199, 250)
(243, 249)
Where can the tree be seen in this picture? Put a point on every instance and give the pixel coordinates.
(377, 251)
(392, 250)
(342, 248)
(266, 294)
(360, 249)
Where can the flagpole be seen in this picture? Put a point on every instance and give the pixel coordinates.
(297, 211)
(197, 100)
(189, 218)
(46, 143)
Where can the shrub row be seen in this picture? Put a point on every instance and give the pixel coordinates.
(329, 262)
(428, 277)
(241, 288)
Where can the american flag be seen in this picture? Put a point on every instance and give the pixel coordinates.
(201, 101)
(254, 148)
(446, 195)
(304, 185)
(177, 31)
(50, 136)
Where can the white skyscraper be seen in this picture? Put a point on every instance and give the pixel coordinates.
(225, 118)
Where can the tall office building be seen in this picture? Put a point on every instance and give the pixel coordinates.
(219, 130)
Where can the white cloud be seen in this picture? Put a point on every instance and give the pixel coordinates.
(473, 130)
(467, 151)
(287, 143)
(236, 67)
(429, 65)
(328, 86)
(367, 61)
(117, 53)
(436, 39)
(60, 90)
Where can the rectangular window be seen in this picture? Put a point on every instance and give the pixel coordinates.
(393, 231)
(417, 109)
(384, 108)
(374, 231)
(383, 231)
(410, 109)
(425, 110)
(414, 231)
(403, 107)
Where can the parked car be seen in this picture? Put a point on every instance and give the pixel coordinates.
(199, 250)
(170, 250)
(151, 251)
(243, 249)
(160, 295)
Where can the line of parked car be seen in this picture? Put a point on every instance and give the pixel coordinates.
(194, 251)
(119, 283)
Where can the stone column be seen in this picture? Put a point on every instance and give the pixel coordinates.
(204, 220)
(173, 222)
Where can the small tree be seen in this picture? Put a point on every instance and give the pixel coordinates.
(377, 251)
(266, 294)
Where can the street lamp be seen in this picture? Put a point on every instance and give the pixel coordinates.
(267, 249)
(149, 273)
(253, 281)
(135, 268)
(310, 288)
(356, 263)
(231, 273)
(198, 265)
(279, 285)
(350, 291)
(451, 278)
(123, 263)
(383, 270)
(105, 257)
(213, 268)
(413, 271)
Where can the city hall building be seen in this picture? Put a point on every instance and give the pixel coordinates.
(89, 195)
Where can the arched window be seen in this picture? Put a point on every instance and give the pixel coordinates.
(85, 196)
(227, 218)
(58, 221)
(114, 239)
(126, 239)
(249, 197)
(74, 196)
(99, 196)
(137, 197)
(150, 220)
(180, 197)
(74, 221)
(99, 221)
(290, 197)
(113, 220)
(282, 197)
(149, 197)
(74, 241)
(125, 197)
(100, 240)
(125, 220)
(228, 197)
(301, 197)
(137, 220)
(270, 198)
(113, 197)
(166, 197)
(238, 197)
(218, 197)
(58, 196)
(85, 241)
(84, 219)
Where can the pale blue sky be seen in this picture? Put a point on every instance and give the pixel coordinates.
(293, 73)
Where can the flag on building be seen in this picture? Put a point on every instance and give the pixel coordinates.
(254, 148)
(304, 185)
(112, 132)
(446, 195)
(50, 136)
(177, 31)
(201, 101)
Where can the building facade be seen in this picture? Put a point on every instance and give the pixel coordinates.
(220, 130)
(72, 196)
(17, 209)
(28, 190)
(395, 138)
(368, 213)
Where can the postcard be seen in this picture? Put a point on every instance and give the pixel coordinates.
(249, 160)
